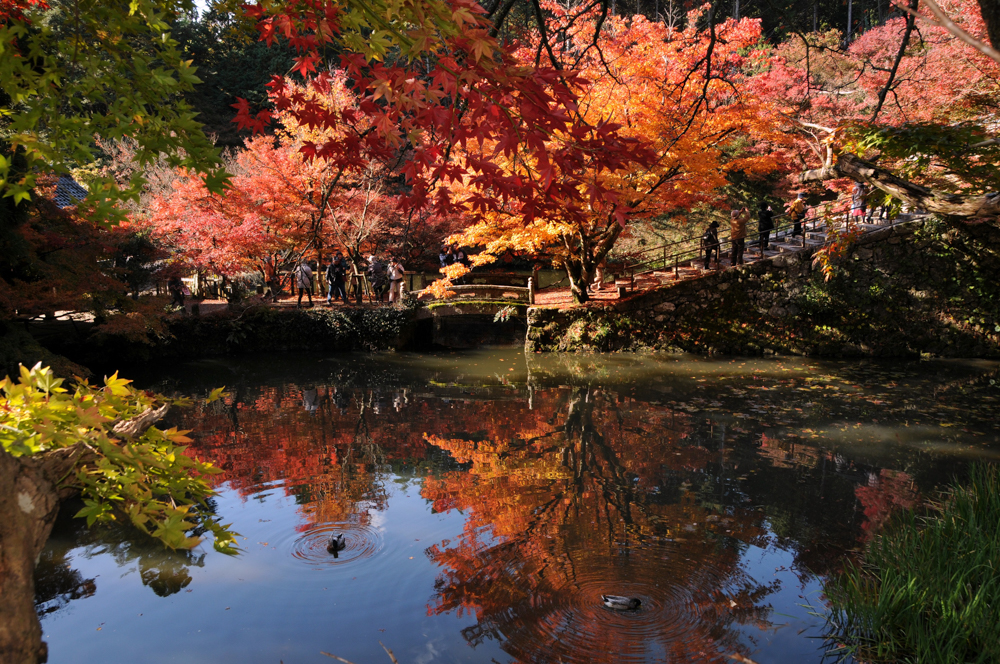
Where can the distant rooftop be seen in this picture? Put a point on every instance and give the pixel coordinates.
(68, 192)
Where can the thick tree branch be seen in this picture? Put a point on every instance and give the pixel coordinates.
(921, 198)
(137, 425)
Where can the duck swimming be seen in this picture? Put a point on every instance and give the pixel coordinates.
(619, 603)
(336, 544)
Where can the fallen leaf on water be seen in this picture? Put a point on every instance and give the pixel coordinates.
(740, 658)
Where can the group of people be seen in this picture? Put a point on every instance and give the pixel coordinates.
(343, 275)
(711, 246)
(450, 254)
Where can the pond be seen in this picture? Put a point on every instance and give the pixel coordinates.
(488, 499)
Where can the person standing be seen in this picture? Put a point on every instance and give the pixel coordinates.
(335, 275)
(376, 272)
(710, 243)
(765, 223)
(598, 283)
(797, 212)
(738, 234)
(858, 203)
(176, 288)
(303, 276)
(447, 256)
(396, 272)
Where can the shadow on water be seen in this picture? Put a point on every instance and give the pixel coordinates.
(56, 583)
(718, 492)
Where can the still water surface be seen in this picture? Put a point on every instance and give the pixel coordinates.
(489, 499)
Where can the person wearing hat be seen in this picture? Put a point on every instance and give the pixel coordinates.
(797, 212)
(710, 243)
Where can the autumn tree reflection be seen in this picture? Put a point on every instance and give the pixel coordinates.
(574, 502)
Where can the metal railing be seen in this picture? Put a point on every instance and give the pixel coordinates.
(672, 255)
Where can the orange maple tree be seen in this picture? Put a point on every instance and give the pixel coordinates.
(675, 96)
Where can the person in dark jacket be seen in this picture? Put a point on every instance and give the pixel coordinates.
(710, 243)
(176, 288)
(447, 255)
(336, 274)
(765, 224)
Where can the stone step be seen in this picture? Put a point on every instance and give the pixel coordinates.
(786, 248)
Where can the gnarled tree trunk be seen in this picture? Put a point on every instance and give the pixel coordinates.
(584, 252)
(29, 503)
(31, 489)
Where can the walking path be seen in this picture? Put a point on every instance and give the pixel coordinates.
(689, 267)
(693, 268)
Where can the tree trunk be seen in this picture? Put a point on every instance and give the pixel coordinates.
(578, 280)
(991, 16)
(29, 503)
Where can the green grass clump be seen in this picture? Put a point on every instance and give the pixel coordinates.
(928, 589)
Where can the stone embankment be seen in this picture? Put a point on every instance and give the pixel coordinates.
(257, 329)
(903, 291)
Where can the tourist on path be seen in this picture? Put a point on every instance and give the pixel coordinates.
(396, 272)
(447, 256)
(462, 259)
(738, 234)
(797, 212)
(335, 275)
(710, 243)
(598, 283)
(303, 276)
(376, 272)
(858, 204)
(176, 288)
(765, 224)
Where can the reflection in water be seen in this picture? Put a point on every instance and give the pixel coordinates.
(56, 583)
(572, 507)
(654, 478)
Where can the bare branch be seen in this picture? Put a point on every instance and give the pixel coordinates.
(910, 21)
(389, 652)
(986, 144)
(942, 19)
(137, 425)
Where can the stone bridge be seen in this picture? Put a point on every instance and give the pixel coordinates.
(477, 314)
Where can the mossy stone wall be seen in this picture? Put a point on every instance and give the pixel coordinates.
(899, 292)
(253, 330)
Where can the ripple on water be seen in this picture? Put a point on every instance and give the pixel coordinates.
(578, 622)
(361, 541)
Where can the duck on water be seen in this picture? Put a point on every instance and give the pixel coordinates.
(336, 544)
(619, 603)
